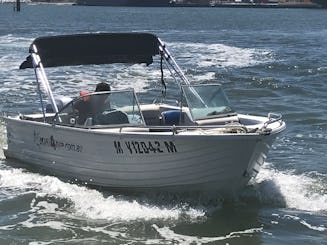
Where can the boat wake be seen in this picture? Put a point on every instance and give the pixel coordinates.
(81, 201)
(17, 45)
(306, 192)
(210, 55)
(63, 207)
(175, 238)
(13, 41)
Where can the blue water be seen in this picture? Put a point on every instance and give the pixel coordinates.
(266, 59)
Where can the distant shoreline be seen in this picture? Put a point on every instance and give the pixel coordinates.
(249, 5)
(218, 5)
(39, 3)
(212, 5)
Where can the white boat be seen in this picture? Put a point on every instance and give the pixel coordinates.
(196, 143)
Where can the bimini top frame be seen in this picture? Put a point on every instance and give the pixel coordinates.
(95, 48)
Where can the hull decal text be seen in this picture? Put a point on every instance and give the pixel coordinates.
(56, 144)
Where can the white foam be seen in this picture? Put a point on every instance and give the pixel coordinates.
(3, 138)
(7, 1)
(313, 227)
(19, 50)
(13, 41)
(137, 77)
(203, 77)
(220, 55)
(87, 202)
(306, 192)
(320, 228)
(170, 235)
(12, 1)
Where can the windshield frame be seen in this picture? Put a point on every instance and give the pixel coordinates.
(201, 107)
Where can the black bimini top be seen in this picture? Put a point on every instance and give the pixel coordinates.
(95, 48)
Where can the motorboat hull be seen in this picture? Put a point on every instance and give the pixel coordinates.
(193, 142)
(139, 160)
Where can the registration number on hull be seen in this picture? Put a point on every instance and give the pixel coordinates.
(144, 147)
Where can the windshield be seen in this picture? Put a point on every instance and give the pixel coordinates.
(103, 108)
(206, 101)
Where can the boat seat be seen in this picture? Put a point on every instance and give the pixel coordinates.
(151, 114)
(162, 114)
(111, 117)
(174, 117)
(171, 117)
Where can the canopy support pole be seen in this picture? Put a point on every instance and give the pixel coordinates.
(171, 61)
(162, 77)
(42, 80)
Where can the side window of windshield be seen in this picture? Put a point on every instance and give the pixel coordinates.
(206, 101)
(101, 109)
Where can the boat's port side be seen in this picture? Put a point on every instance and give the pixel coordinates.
(37, 117)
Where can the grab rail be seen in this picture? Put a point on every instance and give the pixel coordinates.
(177, 129)
(272, 118)
(174, 129)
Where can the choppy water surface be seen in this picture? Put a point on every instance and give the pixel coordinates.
(267, 60)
